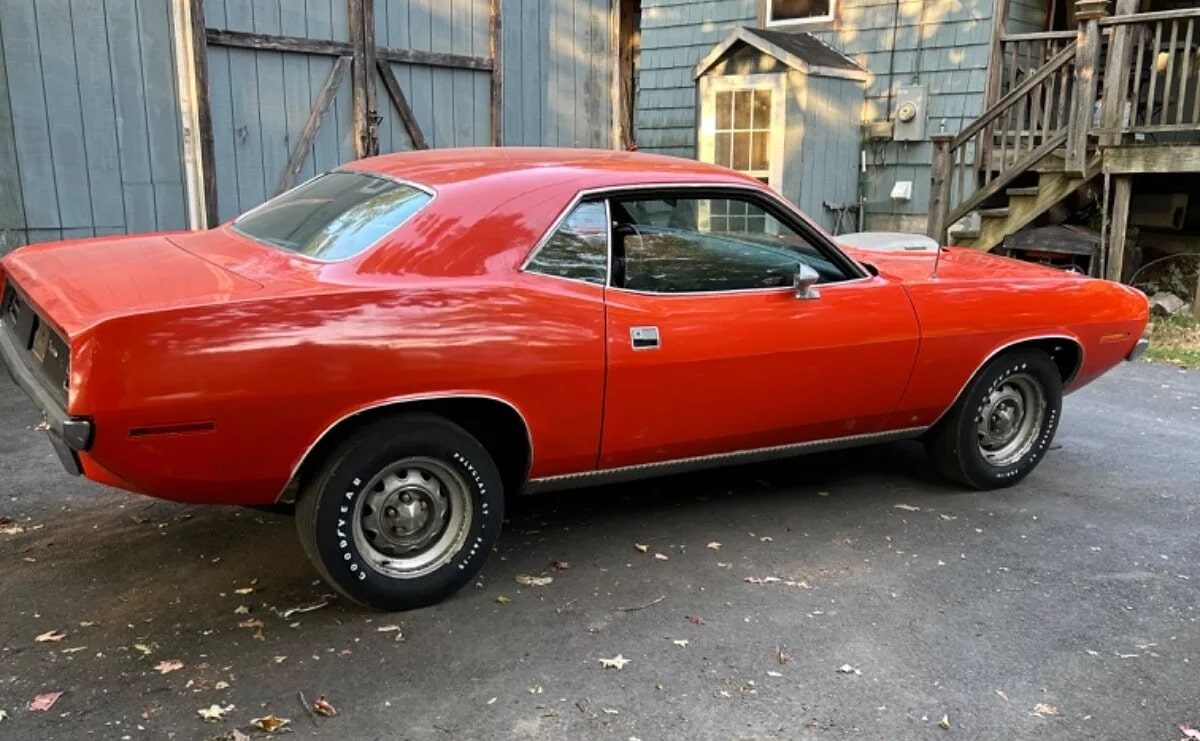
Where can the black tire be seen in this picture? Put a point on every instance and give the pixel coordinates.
(956, 446)
(342, 547)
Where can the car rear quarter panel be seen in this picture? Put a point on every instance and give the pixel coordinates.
(233, 395)
(966, 322)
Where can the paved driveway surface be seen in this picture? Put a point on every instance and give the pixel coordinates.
(1076, 593)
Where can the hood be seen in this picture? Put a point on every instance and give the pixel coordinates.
(956, 263)
(81, 283)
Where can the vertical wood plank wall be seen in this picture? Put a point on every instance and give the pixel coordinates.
(558, 66)
(89, 128)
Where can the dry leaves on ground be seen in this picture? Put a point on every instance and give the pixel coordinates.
(682, 643)
(526, 580)
(661, 557)
(944, 723)
(617, 662)
(502, 599)
(1189, 732)
(907, 507)
(1044, 710)
(214, 712)
(696, 620)
(166, 667)
(44, 701)
(324, 707)
(51, 636)
(391, 629)
(270, 723)
(847, 669)
(641, 548)
(714, 545)
(559, 565)
(777, 580)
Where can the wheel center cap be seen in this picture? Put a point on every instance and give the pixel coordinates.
(409, 516)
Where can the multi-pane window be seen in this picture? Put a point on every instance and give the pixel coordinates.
(799, 11)
(742, 137)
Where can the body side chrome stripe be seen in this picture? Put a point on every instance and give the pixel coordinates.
(682, 465)
(400, 401)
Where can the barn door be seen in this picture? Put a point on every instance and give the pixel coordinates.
(286, 89)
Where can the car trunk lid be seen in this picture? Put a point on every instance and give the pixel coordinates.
(76, 285)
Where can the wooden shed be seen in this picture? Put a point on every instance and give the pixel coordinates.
(786, 109)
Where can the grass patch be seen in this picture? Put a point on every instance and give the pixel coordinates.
(1175, 340)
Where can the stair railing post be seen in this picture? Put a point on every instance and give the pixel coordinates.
(1117, 71)
(1087, 67)
(940, 187)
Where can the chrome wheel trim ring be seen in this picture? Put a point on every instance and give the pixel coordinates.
(412, 517)
(1010, 420)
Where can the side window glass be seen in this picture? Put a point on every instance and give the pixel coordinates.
(691, 245)
(578, 249)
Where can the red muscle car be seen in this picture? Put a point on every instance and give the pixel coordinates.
(395, 345)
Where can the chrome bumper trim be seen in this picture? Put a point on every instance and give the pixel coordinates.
(1139, 349)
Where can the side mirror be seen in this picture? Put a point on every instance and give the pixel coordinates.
(806, 279)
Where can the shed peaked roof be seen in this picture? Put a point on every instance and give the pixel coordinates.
(800, 51)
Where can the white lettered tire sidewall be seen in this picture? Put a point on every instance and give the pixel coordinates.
(326, 510)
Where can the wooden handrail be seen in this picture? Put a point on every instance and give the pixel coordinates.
(1039, 36)
(1160, 15)
(1057, 62)
(1003, 179)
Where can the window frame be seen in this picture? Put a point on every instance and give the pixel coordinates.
(429, 191)
(711, 85)
(815, 20)
(775, 205)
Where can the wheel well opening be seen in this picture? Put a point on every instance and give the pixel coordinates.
(496, 425)
(1066, 354)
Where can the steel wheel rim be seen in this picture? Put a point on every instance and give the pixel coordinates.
(412, 517)
(1010, 420)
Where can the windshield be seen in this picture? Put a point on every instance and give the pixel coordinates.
(334, 216)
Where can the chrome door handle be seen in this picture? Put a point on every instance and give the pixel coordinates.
(644, 338)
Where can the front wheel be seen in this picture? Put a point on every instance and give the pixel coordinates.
(403, 514)
(1000, 428)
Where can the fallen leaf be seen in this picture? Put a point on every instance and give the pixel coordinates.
(617, 662)
(1003, 695)
(948, 518)
(241, 610)
(783, 656)
(252, 623)
(12, 530)
(847, 669)
(661, 557)
(502, 599)
(714, 545)
(44, 702)
(166, 667)
(214, 712)
(492, 701)
(73, 649)
(944, 723)
(610, 711)
(51, 636)
(766, 539)
(324, 707)
(536, 690)
(1189, 732)
(1045, 710)
(146, 650)
(244, 590)
(696, 620)
(559, 565)
(777, 580)
(222, 685)
(907, 507)
(532, 581)
(280, 659)
(774, 674)
(391, 629)
(270, 723)
(3, 715)
(310, 607)
(681, 643)
(641, 548)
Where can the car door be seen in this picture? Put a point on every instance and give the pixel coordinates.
(711, 350)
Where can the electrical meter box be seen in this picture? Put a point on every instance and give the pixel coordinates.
(912, 110)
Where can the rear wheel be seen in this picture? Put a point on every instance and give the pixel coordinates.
(403, 514)
(1000, 428)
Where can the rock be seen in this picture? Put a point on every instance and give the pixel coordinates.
(1166, 304)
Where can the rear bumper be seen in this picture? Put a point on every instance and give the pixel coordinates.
(68, 435)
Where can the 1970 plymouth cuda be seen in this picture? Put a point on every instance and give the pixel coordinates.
(397, 344)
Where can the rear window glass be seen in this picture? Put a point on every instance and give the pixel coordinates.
(334, 216)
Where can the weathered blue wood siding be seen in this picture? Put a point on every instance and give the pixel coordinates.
(942, 45)
(451, 106)
(822, 146)
(261, 99)
(90, 123)
(1026, 16)
(558, 66)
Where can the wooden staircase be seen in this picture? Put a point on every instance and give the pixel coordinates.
(1047, 135)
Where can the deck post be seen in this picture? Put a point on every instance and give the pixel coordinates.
(939, 190)
(1116, 77)
(1122, 191)
(1087, 68)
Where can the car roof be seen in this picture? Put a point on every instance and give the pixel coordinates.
(597, 168)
